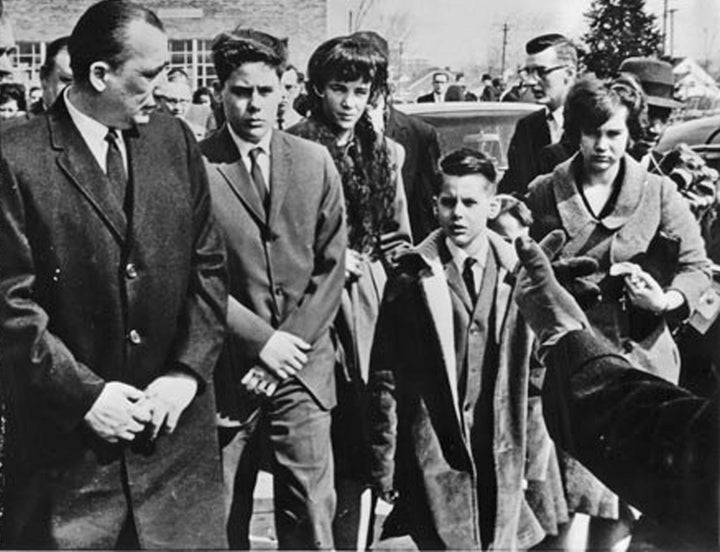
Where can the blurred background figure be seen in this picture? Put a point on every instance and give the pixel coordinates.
(7, 48)
(291, 87)
(174, 97)
(12, 100)
(203, 96)
(34, 94)
(439, 83)
(55, 75)
(513, 218)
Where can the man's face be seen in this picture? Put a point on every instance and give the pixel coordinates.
(128, 95)
(57, 79)
(290, 88)
(658, 118)
(440, 84)
(604, 147)
(7, 48)
(463, 207)
(549, 78)
(174, 98)
(251, 96)
(8, 110)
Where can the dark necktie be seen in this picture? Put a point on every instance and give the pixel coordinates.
(258, 178)
(114, 167)
(469, 278)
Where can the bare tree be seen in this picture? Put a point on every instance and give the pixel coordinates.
(361, 13)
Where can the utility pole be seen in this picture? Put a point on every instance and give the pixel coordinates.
(672, 31)
(350, 20)
(664, 33)
(504, 49)
(400, 59)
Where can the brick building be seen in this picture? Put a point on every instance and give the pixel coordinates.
(190, 24)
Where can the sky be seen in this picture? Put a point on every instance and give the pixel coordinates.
(462, 32)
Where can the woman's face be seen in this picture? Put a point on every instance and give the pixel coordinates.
(344, 102)
(605, 146)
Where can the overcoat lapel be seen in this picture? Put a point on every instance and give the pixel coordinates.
(77, 162)
(506, 262)
(280, 173)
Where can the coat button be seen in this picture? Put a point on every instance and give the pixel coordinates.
(131, 271)
(134, 337)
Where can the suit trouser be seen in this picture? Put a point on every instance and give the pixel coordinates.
(297, 431)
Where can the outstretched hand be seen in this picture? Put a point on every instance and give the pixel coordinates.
(548, 308)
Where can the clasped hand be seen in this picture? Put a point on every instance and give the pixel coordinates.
(122, 411)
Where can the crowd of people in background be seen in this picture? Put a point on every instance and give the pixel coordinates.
(283, 271)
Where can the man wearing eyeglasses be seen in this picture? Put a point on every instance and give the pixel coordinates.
(7, 48)
(551, 68)
(440, 84)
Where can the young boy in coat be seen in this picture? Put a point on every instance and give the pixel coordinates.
(449, 379)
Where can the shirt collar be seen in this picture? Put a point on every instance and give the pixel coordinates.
(244, 147)
(460, 255)
(90, 129)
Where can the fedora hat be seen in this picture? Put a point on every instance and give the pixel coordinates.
(656, 78)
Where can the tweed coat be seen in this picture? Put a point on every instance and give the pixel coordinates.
(287, 270)
(421, 446)
(89, 294)
(648, 208)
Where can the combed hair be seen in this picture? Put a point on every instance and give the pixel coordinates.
(100, 35)
(464, 161)
(590, 103)
(564, 48)
(231, 50)
(345, 59)
(51, 52)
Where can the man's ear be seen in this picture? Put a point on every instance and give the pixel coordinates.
(494, 208)
(98, 75)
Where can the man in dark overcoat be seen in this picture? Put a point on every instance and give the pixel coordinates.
(112, 304)
(551, 67)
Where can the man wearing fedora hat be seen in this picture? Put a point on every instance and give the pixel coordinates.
(658, 84)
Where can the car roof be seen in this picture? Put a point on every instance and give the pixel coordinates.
(455, 109)
(693, 133)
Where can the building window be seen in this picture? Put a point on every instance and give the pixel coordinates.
(195, 57)
(28, 59)
(206, 70)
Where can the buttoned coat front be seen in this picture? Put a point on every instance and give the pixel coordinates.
(88, 295)
(420, 442)
(286, 267)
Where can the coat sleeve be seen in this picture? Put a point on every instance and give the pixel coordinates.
(319, 304)
(693, 274)
(201, 327)
(30, 354)
(385, 361)
(653, 443)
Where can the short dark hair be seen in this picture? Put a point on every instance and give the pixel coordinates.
(13, 91)
(464, 161)
(443, 73)
(515, 207)
(591, 102)
(564, 48)
(232, 49)
(345, 58)
(100, 35)
(51, 52)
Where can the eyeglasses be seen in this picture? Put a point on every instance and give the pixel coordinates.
(542, 72)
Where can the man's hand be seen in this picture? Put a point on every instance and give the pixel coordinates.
(549, 309)
(166, 398)
(570, 273)
(117, 413)
(260, 381)
(284, 354)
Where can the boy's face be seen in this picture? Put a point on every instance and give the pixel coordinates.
(463, 206)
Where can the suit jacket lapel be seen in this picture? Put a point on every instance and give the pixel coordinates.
(280, 174)
(77, 162)
(233, 170)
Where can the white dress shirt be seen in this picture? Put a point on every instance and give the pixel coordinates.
(556, 120)
(263, 160)
(479, 254)
(94, 133)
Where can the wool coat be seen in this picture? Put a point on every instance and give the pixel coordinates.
(649, 216)
(91, 293)
(420, 442)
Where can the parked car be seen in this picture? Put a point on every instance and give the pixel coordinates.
(702, 135)
(485, 126)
